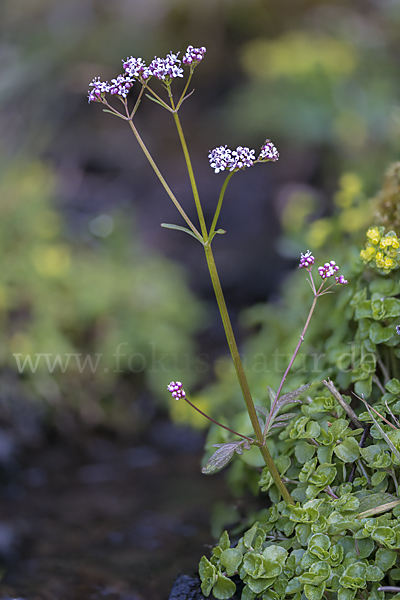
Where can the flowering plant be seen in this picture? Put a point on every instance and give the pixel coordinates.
(302, 545)
(221, 158)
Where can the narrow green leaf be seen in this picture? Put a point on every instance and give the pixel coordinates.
(378, 509)
(262, 410)
(179, 228)
(291, 396)
(285, 417)
(373, 501)
(154, 100)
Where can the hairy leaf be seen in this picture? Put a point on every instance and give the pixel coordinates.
(223, 455)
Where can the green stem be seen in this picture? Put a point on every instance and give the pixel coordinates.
(162, 180)
(156, 96)
(219, 205)
(217, 422)
(190, 170)
(242, 376)
(225, 316)
(181, 99)
(137, 104)
(301, 340)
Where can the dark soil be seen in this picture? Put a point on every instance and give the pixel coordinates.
(100, 517)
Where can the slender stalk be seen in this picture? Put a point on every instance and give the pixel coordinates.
(346, 407)
(219, 205)
(384, 370)
(137, 103)
(225, 316)
(157, 97)
(394, 366)
(375, 379)
(190, 170)
(182, 98)
(217, 423)
(242, 376)
(301, 340)
(162, 180)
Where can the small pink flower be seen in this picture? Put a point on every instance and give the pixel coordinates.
(341, 280)
(328, 269)
(176, 389)
(306, 260)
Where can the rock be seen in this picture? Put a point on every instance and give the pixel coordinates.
(188, 587)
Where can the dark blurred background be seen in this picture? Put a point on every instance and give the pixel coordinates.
(86, 266)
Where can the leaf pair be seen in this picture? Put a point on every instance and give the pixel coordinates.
(223, 455)
(273, 418)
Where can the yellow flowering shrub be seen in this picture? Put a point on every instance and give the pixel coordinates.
(381, 250)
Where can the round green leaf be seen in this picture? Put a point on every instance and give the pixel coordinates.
(347, 451)
(393, 386)
(231, 559)
(304, 452)
(391, 307)
(208, 575)
(374, 573)
(378, 477)
(346, 594)
(319, 545)
(313, 592)
(379, 334)
(363, 388)
(224, 588)
(385, 559)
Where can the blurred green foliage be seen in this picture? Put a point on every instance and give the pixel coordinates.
(95, 298)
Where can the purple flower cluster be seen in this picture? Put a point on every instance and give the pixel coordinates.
(222, 158)
(99, 89)
(176, 389)
(193, 56)
(166, 69)
(268, 151)
(121, 85)
(118, 87)
(136, 67)
(242, 157)
(341, 280)
(306, 260)
(328, 269)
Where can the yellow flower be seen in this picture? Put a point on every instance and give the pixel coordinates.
(391, 252)
(388, 263)
(373, 235)
(368, 253)
(395, 243)
(380, 263)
